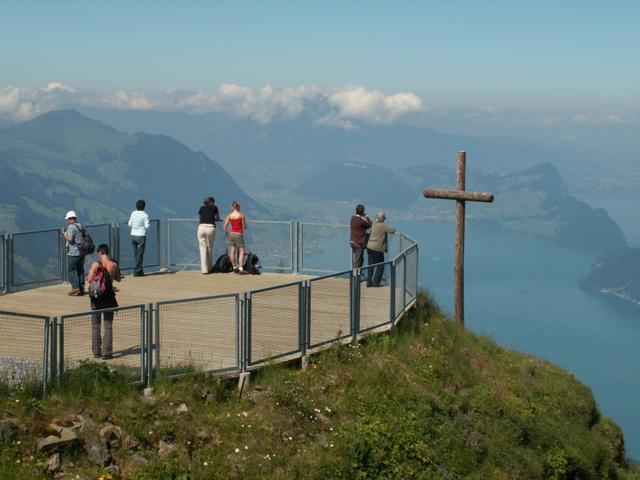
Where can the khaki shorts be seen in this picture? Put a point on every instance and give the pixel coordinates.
(236, 239)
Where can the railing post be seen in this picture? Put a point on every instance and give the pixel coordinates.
(168, 239)
(154, 339)
(355, 304)
(61, 349)
(147, 318)
(61, 257)
(298, 248)
(303, 317)
(45, 357)
(392, 292)
(6, 262)
(53, 350)
(115, 248)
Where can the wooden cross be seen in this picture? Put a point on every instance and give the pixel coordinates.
(460, 196)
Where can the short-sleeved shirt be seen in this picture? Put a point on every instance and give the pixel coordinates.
(75, 232)
(208, 214)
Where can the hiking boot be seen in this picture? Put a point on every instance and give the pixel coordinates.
(76, 292)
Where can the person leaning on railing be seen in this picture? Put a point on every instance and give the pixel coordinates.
(376, 248)
(75, 259)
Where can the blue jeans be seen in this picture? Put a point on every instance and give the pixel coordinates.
(373, 257)
(75, 270)
(138, 243)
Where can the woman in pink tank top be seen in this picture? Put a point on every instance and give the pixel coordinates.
(238, 224)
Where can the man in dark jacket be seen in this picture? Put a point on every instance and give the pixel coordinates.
(360, 225)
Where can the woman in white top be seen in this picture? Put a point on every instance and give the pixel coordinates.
(139, 223)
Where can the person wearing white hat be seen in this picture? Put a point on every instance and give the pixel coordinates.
(75, 260)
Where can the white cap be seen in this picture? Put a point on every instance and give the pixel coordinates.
(70, 214)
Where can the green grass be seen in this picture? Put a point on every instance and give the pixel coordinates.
(430, 400)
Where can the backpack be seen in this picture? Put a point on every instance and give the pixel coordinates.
(223, 264)
(251, 263)
(86, 245)
(99, 283)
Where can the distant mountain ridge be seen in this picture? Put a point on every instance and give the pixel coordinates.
(617, 275)
(534, 200)
(64, 160)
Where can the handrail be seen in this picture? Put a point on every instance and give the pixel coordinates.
(402, 270)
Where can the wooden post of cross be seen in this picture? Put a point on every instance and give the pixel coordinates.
(460, 196)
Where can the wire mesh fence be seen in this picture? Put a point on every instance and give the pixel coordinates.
(3, 264)
(216, 333)
(323, 248)
(399, 294)
(24, 348)
(375, 296)
(329, 308)
(411, 274)
(198, 335)
(274, 323)
(36, 258)
(100, 234)
(272, 241)
(115, 335)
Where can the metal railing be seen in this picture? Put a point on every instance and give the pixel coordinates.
(219, 334)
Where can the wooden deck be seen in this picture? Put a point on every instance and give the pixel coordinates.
(151, 288)
(201, 334)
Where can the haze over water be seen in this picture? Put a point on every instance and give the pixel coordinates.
(523, 292)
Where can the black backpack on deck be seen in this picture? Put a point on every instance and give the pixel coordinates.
(223, 264)
(251, 263)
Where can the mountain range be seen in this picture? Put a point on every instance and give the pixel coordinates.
(64, 160)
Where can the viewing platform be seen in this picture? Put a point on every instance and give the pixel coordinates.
(176, 319)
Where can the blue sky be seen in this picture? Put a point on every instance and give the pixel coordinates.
(581, 58)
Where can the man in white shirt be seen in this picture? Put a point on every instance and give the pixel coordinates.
(139, 223)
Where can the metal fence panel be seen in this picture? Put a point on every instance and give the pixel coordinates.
(23, 348)
(3, 265)
(35, 258)
(198, 335)
(411, 274)
(374, 301)
(400, 285)
(100, 234)
(128, 339)
(151, 257)
(274, 327)
(324, 248)
(182, 244)
(330, 308)
(273, 243)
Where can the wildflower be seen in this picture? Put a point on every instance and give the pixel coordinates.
(327, 409)
(206, 464)
(237, 450)
(246, 447)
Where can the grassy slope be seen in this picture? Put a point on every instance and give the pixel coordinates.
(430, 401)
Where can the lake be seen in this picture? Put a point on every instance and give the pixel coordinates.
(522, 291)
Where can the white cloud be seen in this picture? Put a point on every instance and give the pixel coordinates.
(128, 100)
(373, 105)
(339, 106)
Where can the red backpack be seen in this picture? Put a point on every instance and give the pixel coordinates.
(100, 282)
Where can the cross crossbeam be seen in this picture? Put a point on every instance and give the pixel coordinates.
(460, 196)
